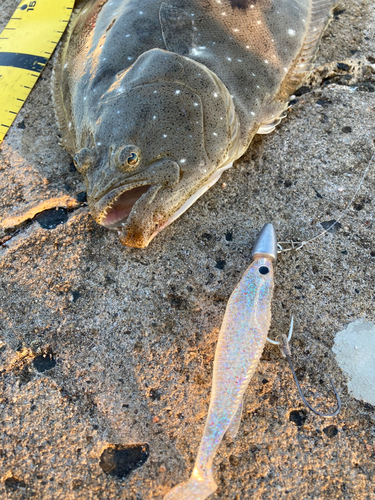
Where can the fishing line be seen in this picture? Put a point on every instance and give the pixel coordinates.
(297, 245)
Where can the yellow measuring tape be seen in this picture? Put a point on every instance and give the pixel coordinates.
(26, 44)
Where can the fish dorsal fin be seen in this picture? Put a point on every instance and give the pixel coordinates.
(320, 14)
(177, 29)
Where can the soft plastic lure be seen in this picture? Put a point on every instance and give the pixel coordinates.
(241, 341)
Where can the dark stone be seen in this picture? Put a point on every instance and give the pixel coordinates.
(13, 482)
(264, 381)
(302, 90)
(293, 102)
(206, 236)
(346, 130)
(318, 195)
(229, 235)
(49, 219)
(321, 102)
(330, 431)
(371, 59)
(344, 252)
(372, 253)
(332, 225)
(21, 125)
(119, 460)
(44, 362)
(81, 197)
(76, 295)
(220, 264)
(177, 301)
(288, 183)
(298, 417)
(343, 66)
(154, 394)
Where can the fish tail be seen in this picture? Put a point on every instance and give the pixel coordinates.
(198, 487)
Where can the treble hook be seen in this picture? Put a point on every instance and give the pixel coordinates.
(285, 351)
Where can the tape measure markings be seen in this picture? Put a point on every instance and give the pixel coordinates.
(26, 45)
(23, 61)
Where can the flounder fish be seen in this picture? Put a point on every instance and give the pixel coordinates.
(155, 99)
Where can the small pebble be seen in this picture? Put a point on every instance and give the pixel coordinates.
(119, 460)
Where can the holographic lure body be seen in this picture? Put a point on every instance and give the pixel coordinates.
(241, 341)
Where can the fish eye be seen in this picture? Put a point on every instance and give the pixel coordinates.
(132, 160)
(128, 157)
(264, 270)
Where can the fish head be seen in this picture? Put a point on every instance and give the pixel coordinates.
(164, 131)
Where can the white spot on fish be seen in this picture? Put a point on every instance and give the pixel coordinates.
(266, 61)
(65, 65)
(154, 117)
(178, 92)
(85, 98)
(98, 143)
(140, 12)
(165, 135)
(291, 32)
(229, 58)
(183, 160)
(215, 134)
(155, 91)
(127, 36)
(216, 94)
(252, 113)
(70, 124)
(130, 58)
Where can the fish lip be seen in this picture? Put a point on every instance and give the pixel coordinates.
(106, 201)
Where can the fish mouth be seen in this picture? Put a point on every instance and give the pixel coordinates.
(114, 208)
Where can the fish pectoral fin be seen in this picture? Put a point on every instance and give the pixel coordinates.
(235, 422)
(177, 29)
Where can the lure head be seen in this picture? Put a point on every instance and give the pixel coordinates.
(163, 130)
(266, 244)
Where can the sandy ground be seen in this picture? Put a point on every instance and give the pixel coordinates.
(103, 345)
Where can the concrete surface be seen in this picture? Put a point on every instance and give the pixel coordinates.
(103, 345)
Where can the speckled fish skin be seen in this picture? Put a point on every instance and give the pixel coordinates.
(156, 99)
(241, 341)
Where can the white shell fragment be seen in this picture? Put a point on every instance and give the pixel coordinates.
(355, 353)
